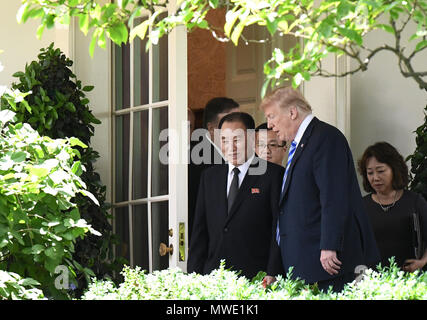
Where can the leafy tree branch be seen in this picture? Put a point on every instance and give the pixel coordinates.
(322, 28)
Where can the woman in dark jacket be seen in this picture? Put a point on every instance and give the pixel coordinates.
(391, 207)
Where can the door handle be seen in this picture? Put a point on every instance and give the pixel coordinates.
(164, 249)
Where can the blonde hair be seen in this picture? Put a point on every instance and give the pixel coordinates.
(286, 97)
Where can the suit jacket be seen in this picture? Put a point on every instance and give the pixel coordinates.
(245, 237)
(195, 169)
(321, 207)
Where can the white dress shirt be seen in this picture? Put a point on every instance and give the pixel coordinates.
(243, 170)
(302, 128)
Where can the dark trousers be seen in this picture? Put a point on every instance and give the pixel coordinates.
(336, 283)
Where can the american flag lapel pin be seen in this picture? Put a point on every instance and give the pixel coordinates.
(254, 190)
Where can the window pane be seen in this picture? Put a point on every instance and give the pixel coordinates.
(160, 68)
(140, 155)
(122, 76)
(140, 236)
(122, 231)
(141, 71)
(159, 170)
(160, 227)
(122, 158)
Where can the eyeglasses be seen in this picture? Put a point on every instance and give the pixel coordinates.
(270, 145)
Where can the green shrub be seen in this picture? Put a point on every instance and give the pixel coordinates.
(39, 224)
(13, 287)
(221, 284)
(56, 105)
(419, 160)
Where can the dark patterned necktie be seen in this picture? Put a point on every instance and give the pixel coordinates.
(234, 187)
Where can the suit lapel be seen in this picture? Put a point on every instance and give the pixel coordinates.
(248, 181)
(222, 185)
(301, 147)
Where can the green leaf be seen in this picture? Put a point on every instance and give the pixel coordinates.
(18, 237)
(386, 27)
(272, 23)
(76, 142)
(421, 45)
(77, 168)
(352, 35)
(19, 156)
(237, 32)
(140, 30)
(38, 171)
(74, 214)
(84, 23)
(118, 33)
(90, 195)
(29, 282)
(88, 88)
(23, 9)
(18, 74)
(50, 264)
(37, 249)
(230, 19)
(93, 42)
(40, 30)
(70, 107)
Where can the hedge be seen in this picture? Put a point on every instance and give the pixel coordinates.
(383, 283)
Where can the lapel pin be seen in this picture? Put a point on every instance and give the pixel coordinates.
(254, 190)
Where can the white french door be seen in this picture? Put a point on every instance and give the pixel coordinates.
(149, 193)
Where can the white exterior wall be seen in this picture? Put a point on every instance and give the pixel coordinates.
(19, 42)
(385, 106)
(96, 71)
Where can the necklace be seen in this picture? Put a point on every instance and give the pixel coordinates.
(387, 207)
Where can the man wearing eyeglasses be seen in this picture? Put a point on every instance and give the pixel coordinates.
(268, 146)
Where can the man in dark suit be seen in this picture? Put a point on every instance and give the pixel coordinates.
(237, 207)
(323, 229)
(204, 152)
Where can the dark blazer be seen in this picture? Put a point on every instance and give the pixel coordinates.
(195, 169)
(245, 237)
(321, 207)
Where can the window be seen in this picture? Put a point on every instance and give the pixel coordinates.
(140, 179)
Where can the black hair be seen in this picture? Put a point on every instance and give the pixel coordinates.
(264, 126)
(242, 117)
(216, 106)
(384, 152)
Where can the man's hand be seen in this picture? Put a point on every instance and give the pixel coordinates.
(268, 280)
(411, 265)
(330, 262)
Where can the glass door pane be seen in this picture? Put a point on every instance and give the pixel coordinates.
(122, 76)
(122, 158)
(140, 155)
(159, 168)
(160, 68)
(121, 225)
(140, 70)
(140, 236)
(160, 229)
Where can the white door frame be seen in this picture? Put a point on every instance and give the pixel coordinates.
(178, 144)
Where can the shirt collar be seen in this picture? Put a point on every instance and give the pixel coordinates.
(243, 168)
(303, 127)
